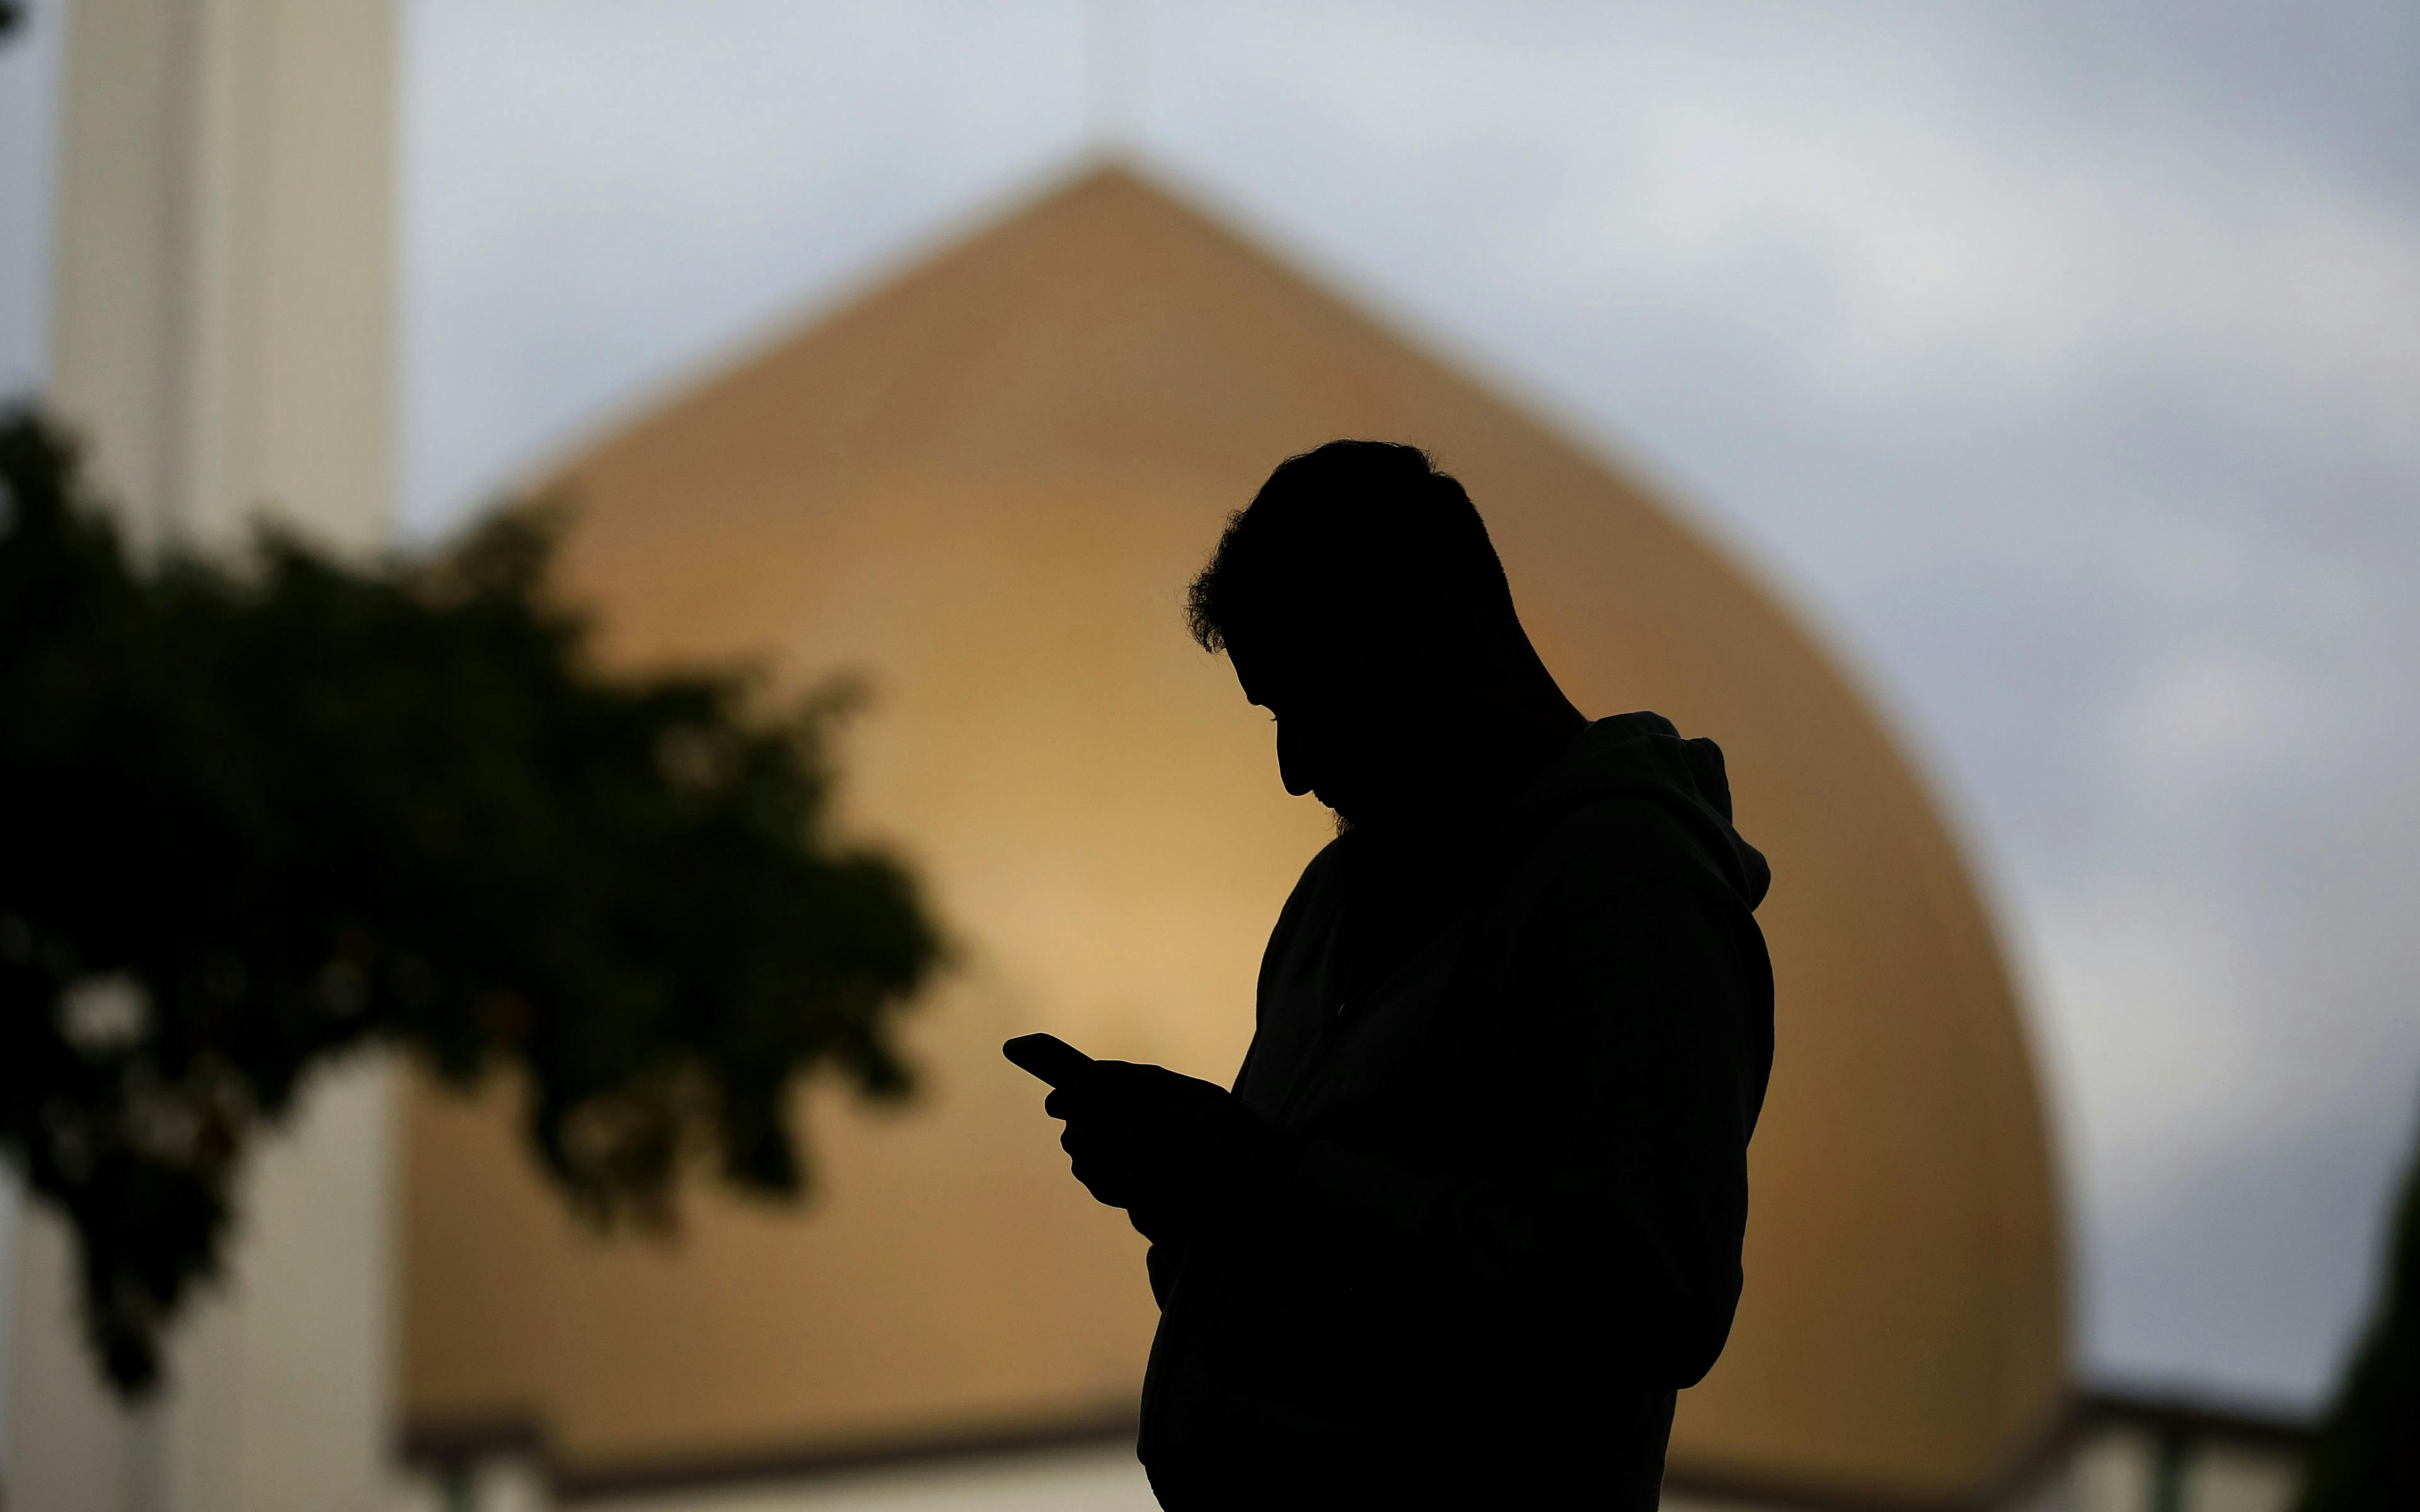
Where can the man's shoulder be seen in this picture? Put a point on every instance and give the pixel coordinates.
(1618, 839)
(1324, 870)
(1620, 855)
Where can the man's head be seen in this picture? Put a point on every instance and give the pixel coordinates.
(1363, 605)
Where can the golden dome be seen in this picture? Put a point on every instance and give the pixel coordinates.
(984, 486)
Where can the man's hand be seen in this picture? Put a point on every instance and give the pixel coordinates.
(1174, 1150)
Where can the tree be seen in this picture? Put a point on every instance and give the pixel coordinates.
(2368, 1452)
(265, 813)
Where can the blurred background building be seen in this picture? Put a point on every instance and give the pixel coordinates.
(980, 482)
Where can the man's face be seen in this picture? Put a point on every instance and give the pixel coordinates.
(1356, 725)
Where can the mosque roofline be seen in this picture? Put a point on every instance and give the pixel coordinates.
(2191, 1417)
(2182, 1420)
(441, 1445)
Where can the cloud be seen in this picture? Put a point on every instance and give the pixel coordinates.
(2154, 1037)
(597, 196)
(1880, 202)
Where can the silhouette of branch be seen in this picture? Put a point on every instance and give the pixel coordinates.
(269, 813)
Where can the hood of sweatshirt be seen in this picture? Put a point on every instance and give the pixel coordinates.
(1642, 755)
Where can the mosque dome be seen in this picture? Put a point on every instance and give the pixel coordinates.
(982, 488)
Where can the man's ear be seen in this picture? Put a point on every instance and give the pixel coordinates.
(1455, 635)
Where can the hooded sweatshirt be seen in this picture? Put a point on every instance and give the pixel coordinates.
(1523, 1074)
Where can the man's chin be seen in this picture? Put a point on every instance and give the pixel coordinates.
(1386, 824)
(1371, 814)
(1365, 819)
(1345, 819)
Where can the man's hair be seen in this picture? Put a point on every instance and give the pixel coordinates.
(1351, 529)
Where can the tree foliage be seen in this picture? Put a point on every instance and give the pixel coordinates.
(2368, 1452)
(267, 812)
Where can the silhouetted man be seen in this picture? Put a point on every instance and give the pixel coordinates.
(1472, 1212)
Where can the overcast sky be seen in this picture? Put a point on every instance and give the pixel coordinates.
(2061, 360)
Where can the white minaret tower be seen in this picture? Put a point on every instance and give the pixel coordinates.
(222, 336)
(224, 326)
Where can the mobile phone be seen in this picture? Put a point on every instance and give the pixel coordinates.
(1046, 1056)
